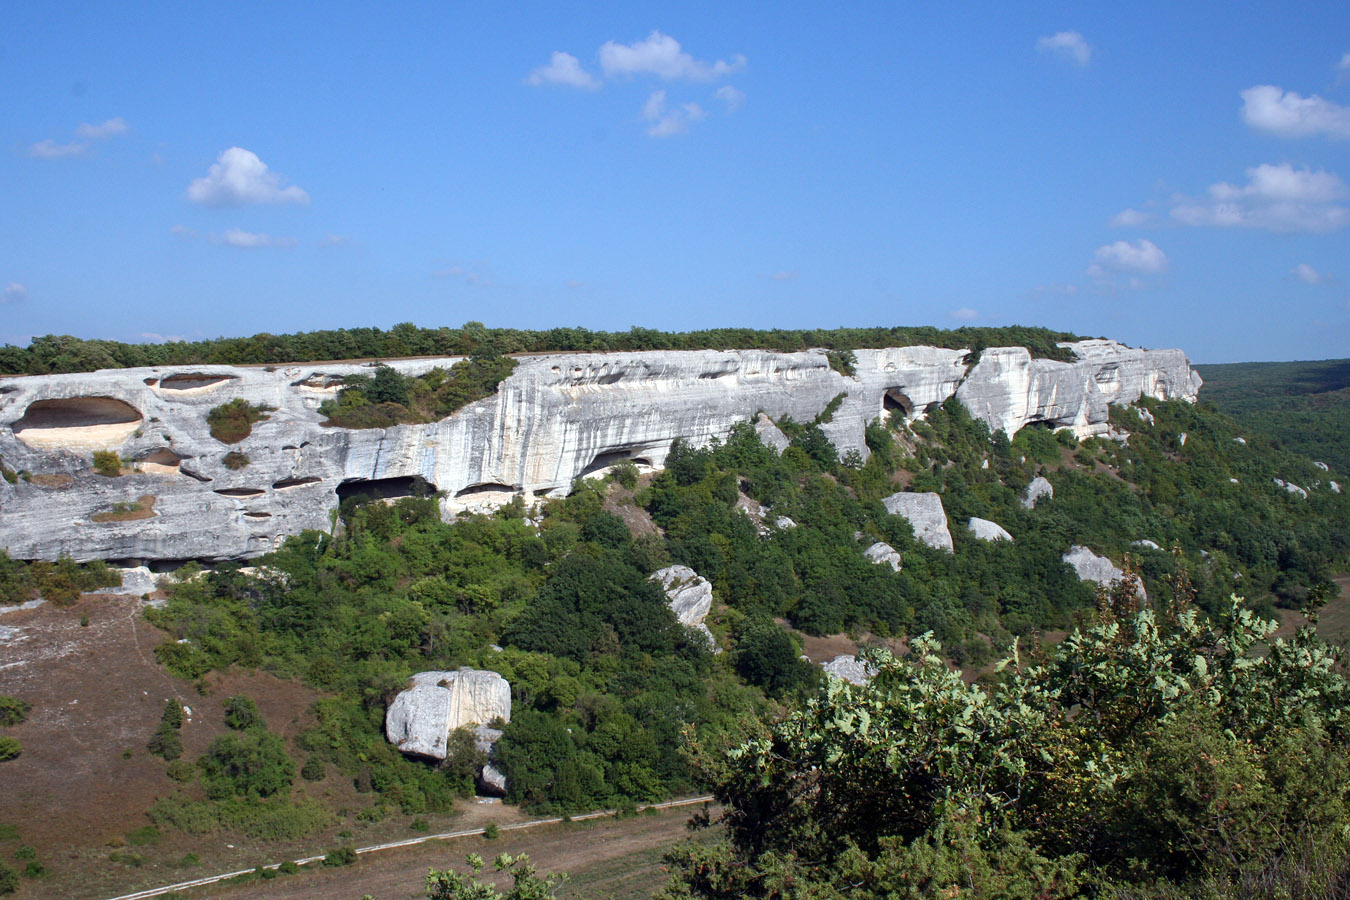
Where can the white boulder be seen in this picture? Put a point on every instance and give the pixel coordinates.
(850, 669)
(986, 530)
(924, 511)
(420, 719)
(1039, 487)
(1097, 569)
(881, 552)
(1323, 466)
(1291, 488)
(688, 594)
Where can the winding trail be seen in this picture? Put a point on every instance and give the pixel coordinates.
(374, 848)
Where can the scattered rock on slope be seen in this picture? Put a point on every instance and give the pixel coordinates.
(986, 530)
(689, 596)
(924, 512)
(850, 669)
(1097, 569)
(1039, 487)
(881, 552)
(420, 719)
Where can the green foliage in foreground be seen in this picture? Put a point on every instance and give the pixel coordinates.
(1299, 406)
(1141, 751)
(64, 353)
(389, 398)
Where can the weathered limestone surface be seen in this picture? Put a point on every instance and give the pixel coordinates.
(556, 418)
(420, 719)
(1039, 487)
(881, 552)
(850, 669)
(1291, 488)
(925, 513)
(688, 594)
(1097, 569)
(986, 530)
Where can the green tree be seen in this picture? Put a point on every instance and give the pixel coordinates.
(526, 882)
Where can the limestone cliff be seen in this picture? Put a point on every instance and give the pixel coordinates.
(556, 418)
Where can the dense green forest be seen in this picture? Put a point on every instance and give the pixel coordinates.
(62, 353)
(1301, 406)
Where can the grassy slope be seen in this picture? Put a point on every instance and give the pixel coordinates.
(1301, 406)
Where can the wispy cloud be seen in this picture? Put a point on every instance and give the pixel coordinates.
(661, 55)
(472, 275)
(1290, 115)
(564, 69)
(1141, 257)
(785, 275)
(240, 178)
(14, 293)
(50, 149)
(1067, 45)
(1275, 198)
(1307, 274)
(249, 240)
(965, 314)
(669, 122)
(110, 128)
(733, 98)
(1130, 218)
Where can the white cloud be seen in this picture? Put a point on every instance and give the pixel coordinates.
(1307, 274)
(1130, 218)
(471, 277)
(1344, 64)
(1066, 45)
(248, 240)
(50, 149)
(733, 98)
(669, 122)
(1275, 197)
(660, 55)
(335, 240)
(240, 178)
(785, 275)
(110, 128)
(1141, 257)
(566, 70)
(14, 293)
(964, 314)
(1287, 114)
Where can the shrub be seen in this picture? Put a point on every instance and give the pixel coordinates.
(232, 422)
(9, 880)
(342, 856)
(626, 473)
(108, 463)
(143, 836)
(247, 764)
(189, 860)
(165, 742)
(314, 769)
(234, 460)
(10, 748)
(420, 825)
(13, 710)
(492, 832)
(289, 867)
(241, 714)
(181, 771)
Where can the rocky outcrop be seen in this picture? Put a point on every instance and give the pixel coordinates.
(1039, 487)
(1088, 566)
(491, 781)
(556, 418)
(986, 530)
(769, 434)
(1008, 389)
(689, 596)
(850, 669)
(883, 553)
(925, 514)
(1291, 488)
(420, 719)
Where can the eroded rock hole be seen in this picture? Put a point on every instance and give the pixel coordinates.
(485, 488)
(78, 423)
(296, 482)
(362, 489)
(896, 401)
(605, 460)
(193, 382)
(241, 493)
(161, 462)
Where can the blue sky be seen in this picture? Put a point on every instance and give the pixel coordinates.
(1170, 174)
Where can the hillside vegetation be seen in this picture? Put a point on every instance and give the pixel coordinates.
(62, 353)
(1301, 406)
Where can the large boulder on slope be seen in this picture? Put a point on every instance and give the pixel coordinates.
(420, 719)
(1039, 487)
(689, 596)
(1088, 566)
(986, 530)
(881, 552)
(850, 669)
(925, 513)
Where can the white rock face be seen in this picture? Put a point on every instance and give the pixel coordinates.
(770, 434)
(1147, 544)
(1239, 440)
(850, 669)
(1291, 488)
(881, 552)
(1146, 415)
(783, 522)
(1323, 466)
(1039, 487)
(491, 781)
(556, 418)
(1097, 569)
(1008, 389)
(1181, 438)
(986, 530)
(420, 719)
(688, 594)
(925, 513)
(1335, 488)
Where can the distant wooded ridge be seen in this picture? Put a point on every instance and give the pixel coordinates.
(52, 354)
